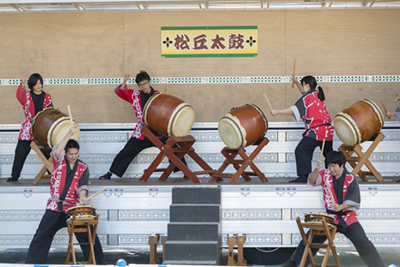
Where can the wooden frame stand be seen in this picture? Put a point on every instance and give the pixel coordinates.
(174, 154)
(238, 240)
(153, 240)
(241, 164)
(318, 228)
(48, 164)
(83, 227)
(363, 159)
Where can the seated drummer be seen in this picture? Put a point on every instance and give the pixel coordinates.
(69, 186)
(32, 102)
(137, 142)
(346, 194)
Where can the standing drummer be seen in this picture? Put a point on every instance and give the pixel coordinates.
(32, 102)
(69, 186)
(312, 110)
(137, 142)
(346, 200)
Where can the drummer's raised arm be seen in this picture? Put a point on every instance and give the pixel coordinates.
(63, 143)
(23, 80)
(126, 78)
(298, 84)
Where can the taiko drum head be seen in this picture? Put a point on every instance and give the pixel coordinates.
(168, 115)
(359, 122)
(242, 126)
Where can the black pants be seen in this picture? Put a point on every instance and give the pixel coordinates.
(304, 153)
(355, 233)
(131, 149)
(21, 153)
(51, 222)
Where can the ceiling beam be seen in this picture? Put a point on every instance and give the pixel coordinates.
(18, 7)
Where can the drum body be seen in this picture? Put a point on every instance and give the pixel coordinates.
(242, 126)
(84, 212)
(168, 115)
(359, 122)
(317, 218)
(50, 126)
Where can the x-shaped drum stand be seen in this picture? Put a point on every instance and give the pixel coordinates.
(363, 159)
(318, 228)
(240, 164)
(174, 154)
(48, 164)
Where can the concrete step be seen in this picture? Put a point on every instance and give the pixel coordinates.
(194, 231)
(193, 251)
(195, 213)
(199, 195)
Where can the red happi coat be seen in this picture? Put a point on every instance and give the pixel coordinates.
(133, 97)
(351, 216)
(25, 98)
(314, 115)
(58, 182)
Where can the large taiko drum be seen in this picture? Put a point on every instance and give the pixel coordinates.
(50, 126)
(242, 126)
(359, 122)
(168, 115)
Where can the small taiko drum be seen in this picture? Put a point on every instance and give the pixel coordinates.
(242, 126)
(168, 115)
(81, 212)
(317, 218)
(359, 122)
(50, 126)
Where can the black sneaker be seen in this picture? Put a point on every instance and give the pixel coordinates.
(12, 179)
(106, 176)
(299, 180)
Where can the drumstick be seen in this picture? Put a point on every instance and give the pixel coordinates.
(397, 97)
(20, 69)
(92, 196)
(322, 149)
(265, 95)
(294, 68)
(330, 192)
(130, 64)
(385, 109)
(70, 116)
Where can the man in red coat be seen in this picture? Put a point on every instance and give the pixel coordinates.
(69, 186)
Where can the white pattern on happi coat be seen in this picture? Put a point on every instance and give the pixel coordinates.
(139, 114)
(327, 195)
(27, 122)
(56, 187)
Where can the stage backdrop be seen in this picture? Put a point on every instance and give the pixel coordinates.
(355, 54)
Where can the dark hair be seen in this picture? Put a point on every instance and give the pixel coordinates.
(312, 82)
(141, 76)
(71, 144)
(32, 81)
(335, 157)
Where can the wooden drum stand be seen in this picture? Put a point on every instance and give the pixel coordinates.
(83, 227)
(362, 158)
(240, 165)
(174, 154)
(317, 228)
(48, 163)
